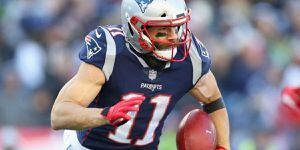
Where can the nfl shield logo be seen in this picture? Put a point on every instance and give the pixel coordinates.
(152, 74)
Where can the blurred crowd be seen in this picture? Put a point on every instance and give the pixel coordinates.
(254, 45)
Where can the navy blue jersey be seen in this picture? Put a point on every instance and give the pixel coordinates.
(128, 74)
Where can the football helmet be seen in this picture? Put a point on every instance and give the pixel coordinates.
(138, 15)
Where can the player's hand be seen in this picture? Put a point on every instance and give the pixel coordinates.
(117, 114)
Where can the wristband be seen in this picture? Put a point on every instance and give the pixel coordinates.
(214, 106)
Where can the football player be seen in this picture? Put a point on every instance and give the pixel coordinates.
(131, 77)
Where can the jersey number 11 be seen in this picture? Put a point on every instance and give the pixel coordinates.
(121, 134)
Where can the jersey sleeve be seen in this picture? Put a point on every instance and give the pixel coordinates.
(205, 57)
(99, 50)
(200, 59)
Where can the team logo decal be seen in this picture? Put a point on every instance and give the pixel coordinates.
(143, 4)
(91, 46)
(204, 51)
(152, 74)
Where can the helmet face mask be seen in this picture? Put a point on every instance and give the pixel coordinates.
(158, 13)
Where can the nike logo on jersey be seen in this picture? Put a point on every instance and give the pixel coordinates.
(98, 35)
(91, 46)
(151, 86)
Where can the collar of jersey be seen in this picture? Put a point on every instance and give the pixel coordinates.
(139, 57)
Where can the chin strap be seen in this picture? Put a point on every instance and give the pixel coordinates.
(220, 148)
(166, 53)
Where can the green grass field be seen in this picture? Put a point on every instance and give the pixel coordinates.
(168, 141)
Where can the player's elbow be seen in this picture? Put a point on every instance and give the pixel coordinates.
(54, 123)
(54, 126)
(55, 120)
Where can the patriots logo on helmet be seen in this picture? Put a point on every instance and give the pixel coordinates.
(143, 4)
(91, 46)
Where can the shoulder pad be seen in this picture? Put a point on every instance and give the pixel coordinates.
(204, 55)
(200, 59)
(99, 49)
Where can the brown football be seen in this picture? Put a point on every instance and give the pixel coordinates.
(196, 132)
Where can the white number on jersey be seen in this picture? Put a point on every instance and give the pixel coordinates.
(122, 133)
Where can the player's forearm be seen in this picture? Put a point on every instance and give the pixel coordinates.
(68, 115)
(221, 122)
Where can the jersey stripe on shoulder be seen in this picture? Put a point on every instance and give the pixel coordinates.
(99, 49)
(196, 62)
(200, 59)
(110, 57)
